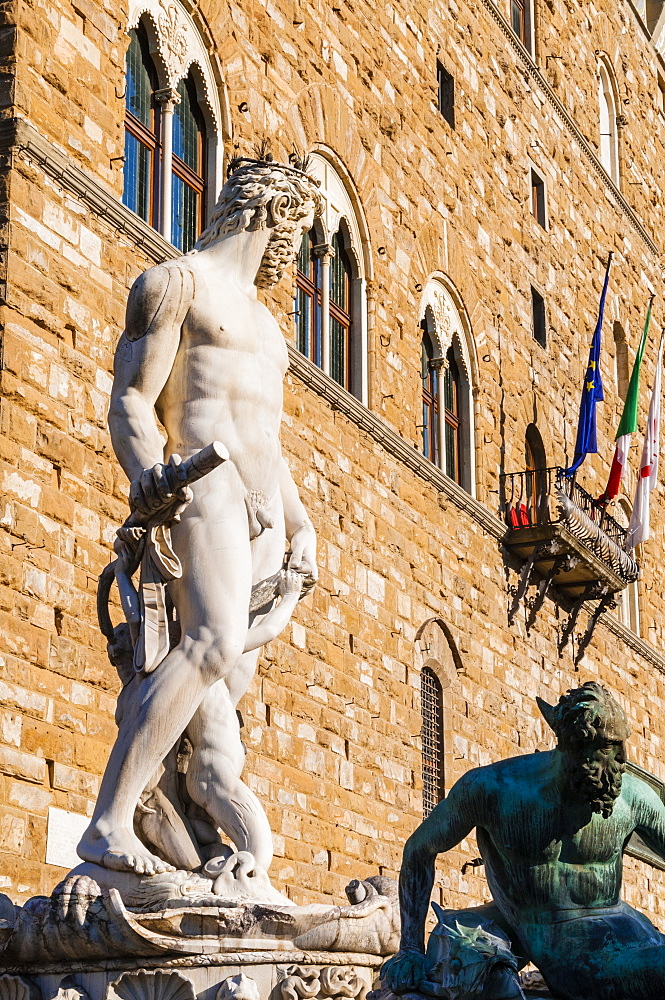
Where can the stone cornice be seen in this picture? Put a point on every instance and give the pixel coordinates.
(19, 136)
(535, 73)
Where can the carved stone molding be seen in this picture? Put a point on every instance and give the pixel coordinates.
(172, 30)
(178, 46)
(17, 988)
(158, 985)
(332, 982)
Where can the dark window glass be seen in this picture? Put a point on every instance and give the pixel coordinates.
(446, 94)
(430, 378)
(518, 19)
(340, 312)
(452, 427)
(138, 176)
(308, 300)
(538, 198)
(140, 78)
(188, 183)
(431, 701)
(538, 317)
(536, 477)
(141, 122)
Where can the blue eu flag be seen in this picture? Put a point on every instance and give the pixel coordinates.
(592, 391)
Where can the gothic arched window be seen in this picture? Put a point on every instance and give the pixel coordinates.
(172, 169)
(609, 145)
(431, 702)
(188, 190)
(331, 304)
(447, 362)
(141, 126)
(536, 478)
(429, 373)
(452, 416)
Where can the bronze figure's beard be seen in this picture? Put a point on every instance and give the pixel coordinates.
(595, 782)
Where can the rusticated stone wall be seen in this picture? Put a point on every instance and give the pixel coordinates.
(332, 719)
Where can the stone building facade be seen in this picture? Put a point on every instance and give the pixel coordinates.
(485, 156)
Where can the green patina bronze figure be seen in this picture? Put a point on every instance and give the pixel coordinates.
(551, 829)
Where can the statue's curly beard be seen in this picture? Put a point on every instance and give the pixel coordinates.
(279, 254)
(594, 782)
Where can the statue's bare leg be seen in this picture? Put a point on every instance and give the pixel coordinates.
(213, 775)
(212, 541)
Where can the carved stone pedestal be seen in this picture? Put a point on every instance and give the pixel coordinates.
(292, 975)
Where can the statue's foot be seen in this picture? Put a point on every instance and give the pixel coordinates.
(121, 851)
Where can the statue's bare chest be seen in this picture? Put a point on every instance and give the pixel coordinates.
(227, 321)
(560, 834)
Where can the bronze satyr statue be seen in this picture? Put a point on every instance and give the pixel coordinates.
(551, 830)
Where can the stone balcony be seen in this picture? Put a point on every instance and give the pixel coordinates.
(557, 529)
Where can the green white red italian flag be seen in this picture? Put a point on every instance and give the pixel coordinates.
(639, 528)
(628, 424)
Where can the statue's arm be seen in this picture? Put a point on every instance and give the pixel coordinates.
(299, 529)
(143, 361)
(452, 820)
(650, 817)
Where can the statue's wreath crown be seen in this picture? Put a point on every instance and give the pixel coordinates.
(297, 165)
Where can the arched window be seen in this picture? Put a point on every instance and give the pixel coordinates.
(429, 373)
(437, 658)
(140, 127)
(331, 302)
(447, 363)
(172, 169)
(609, 147)
(621, 360)
(188, 190)
(452, 437)
(431, 702)
(536, 480)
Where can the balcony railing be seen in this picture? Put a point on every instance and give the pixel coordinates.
(564, 532)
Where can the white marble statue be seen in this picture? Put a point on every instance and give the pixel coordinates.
(205, 357)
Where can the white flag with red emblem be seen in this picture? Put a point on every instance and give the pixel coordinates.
(639, 528)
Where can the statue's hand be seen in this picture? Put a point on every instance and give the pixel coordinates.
(290, 583)
(152, 497)
(404, 971)
(303, 551)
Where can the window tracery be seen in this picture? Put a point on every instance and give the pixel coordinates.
(331, 301)
(447, 366)
(173, 157)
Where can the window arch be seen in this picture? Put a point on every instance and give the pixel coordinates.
(438, 660)
(431, 706)
(173, 157)
(609, 142)
(429, 373)
(536, 479)
(447, 370)
(331, 282)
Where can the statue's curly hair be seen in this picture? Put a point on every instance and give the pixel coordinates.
(264, 195)
(587, 712)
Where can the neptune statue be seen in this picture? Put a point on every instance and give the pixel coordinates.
(551, 829)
